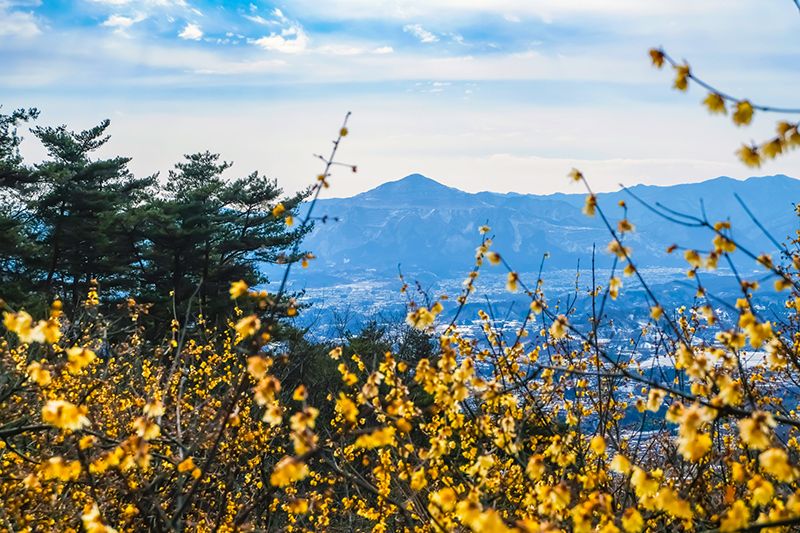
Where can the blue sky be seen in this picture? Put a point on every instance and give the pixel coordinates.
(481, 94)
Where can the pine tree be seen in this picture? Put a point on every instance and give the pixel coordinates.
(204, 232)
(81, 207)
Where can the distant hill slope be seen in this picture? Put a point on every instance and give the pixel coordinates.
(429, 228)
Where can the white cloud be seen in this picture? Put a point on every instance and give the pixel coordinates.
(258, 19)
(420, 33)
(191, 32)
(383, 50)
(121, 23)
(17, 23)
(292, 40)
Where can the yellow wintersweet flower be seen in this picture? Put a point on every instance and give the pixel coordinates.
(248, 326)
(349, 378)
(620, 464)
(598, 445)
(749, 155)
(278, 210)
(336, 353)
(733, 340)
(273, 415)
(775, 462)
(266, 390)
(305, 419)
(614, 285)
(643, 484)
(668, 500)
(756, 431)
(58, 468)
(775, 355)
(347, 408)
(65, 415)
(715, 103)
(737, 517)
(418, 480)
(86, 442)
(21, 323)
(51, 330)
(759, 333)
(723, 244)
(146, 428)
(287, 471)
(298, 506)
(300, 393)
(78, 358)
(558, 329)
(39, 374)
(657, 57)
(590, 207)
(376, 439)
(730, 390)
(92, 522)
(694, 446)
(575, 175)
(512, 282)
(420, 318)
(56, 308)
(693, 258)
(761, 490)
(654, 399)
(682, 73)
(187, 465)
(773, 148)
(153, 409)
(622, 252)
(258, 366)
(444, 499)
(238, 289)
(743, 114)
(656, 312)
(625, 226)
(632, 521)
(535, 467)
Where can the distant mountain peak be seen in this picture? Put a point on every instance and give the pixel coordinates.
(414, 181)
(412, 189)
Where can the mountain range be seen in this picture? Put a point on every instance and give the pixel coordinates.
(430, 229)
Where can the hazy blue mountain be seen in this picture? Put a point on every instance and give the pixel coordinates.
(432, 230)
